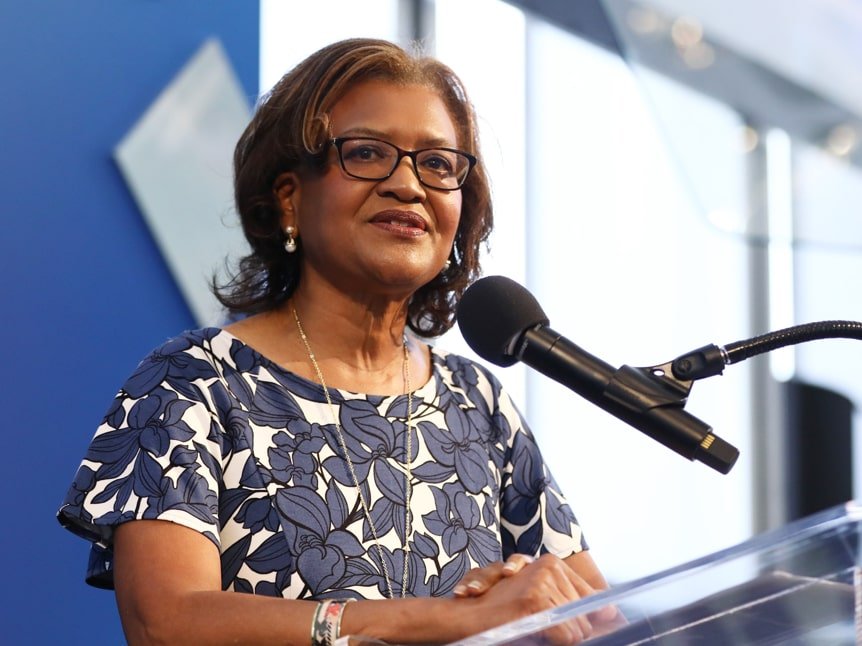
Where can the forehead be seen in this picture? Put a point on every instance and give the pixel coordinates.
(408, 115)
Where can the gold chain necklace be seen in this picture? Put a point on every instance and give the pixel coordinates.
(408, 485)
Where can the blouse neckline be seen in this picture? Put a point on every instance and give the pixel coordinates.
(427, 389)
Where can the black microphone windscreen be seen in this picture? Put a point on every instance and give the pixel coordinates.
(493, 312)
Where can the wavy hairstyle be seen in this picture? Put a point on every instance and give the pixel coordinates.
(289, 132)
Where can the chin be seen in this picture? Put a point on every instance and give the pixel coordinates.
(405, 280)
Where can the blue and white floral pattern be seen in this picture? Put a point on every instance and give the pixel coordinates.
(212, 435)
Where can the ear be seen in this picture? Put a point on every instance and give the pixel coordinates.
(286, 189)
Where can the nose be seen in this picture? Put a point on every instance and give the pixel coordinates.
(403, 183)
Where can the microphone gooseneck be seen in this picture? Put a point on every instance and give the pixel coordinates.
(711, 359)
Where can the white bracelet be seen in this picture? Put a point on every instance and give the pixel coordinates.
(326, 625)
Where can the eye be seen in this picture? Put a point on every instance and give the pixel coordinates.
(364, 151)
(441, 162)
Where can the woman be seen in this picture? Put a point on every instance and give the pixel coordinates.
(318, 451)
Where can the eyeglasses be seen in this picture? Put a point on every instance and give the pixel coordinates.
(444, 169)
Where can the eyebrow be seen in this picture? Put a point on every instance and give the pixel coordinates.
(431, 142)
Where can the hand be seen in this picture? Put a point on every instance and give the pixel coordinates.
(523, 586)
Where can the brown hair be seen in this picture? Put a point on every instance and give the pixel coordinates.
(289, 132)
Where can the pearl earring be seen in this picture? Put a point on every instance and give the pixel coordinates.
(290, 243)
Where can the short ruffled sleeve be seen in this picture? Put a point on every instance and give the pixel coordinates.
(157, 454)
(535, 517)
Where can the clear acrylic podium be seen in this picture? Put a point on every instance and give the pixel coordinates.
(801, 584)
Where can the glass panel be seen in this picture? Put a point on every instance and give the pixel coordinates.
(796, 585)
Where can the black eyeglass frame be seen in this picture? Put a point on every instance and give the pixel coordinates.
(338, 142)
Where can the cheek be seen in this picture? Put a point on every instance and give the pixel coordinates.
(329, 196)
(450, 214)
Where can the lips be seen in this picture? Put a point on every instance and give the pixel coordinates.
(397, 219)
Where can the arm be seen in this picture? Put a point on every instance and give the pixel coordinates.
(168, 587)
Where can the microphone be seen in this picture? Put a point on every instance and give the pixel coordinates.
(503, 323)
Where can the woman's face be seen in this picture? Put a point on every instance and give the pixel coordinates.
(389, 236)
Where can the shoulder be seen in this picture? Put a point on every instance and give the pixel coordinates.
(192, 355)
(187, 342)
(451, 362)
(468, 376)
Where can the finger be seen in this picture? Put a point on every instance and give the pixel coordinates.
(580, 585)
(571, 631)
(515, 563)
(568, 586)
(567, 633)
(478, 580)
(607, 620)
(571, 585)
(574, 587)
(606, 613)
(580, 626)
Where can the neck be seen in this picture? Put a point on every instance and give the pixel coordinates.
(364, 334)
(358, 344)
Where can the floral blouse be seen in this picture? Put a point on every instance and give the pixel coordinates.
(209, 434)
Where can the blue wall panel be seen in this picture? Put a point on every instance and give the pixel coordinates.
(84, 290)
